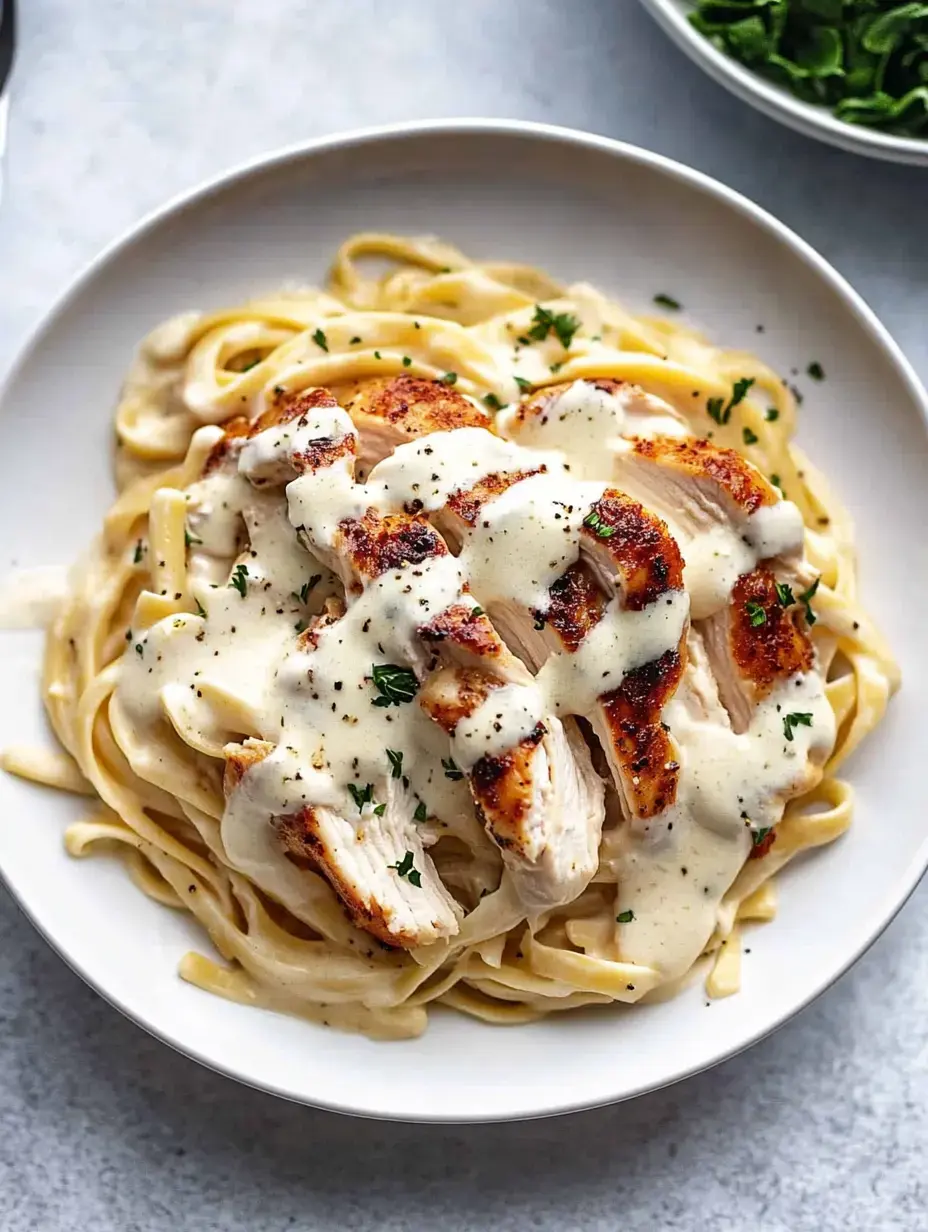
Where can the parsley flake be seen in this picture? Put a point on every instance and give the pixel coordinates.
(522, 383)
(720, 410)
(303, 593)
(749, 437)
(625, 917)
(667, 301)
(396, 763)
(407, 362)
(759, 835)
(596, 524)
(395, 684)
(361, 795)
(320, 340)
(795, 719)
(420, 814)
(451, 770)
(201, 610)
(562, 324)
(239, 579)
(756, 614)
(380, 809)
(355, 340)
(772, 414)
(190, 539)
(492, 402)
(406, 868)
(805, 599)
(816, 371)
(449, 378)
(785, 594)
(138, 552)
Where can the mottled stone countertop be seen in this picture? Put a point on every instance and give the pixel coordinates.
(118, 104)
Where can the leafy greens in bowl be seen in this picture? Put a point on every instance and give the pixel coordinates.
(865, 59)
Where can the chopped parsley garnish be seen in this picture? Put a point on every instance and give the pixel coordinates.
(355, 340)
(759, 835)
(239, 579)
(138, 552)
(304, 590)
(361, 795)
(749, 437)
(522, 383)
(320, 340)
(720, 410)
(772, 414)
(190, 539)
(815, 369)
(420, 814)
(248, 367)
(756, 614)
(540, 621)
(395, 684)
(667, 301)
(714, 409)
(396, 763)
(739, 389)
(449, 378)
(775, 480)
(563, 324)
(492, 402)
(451, 770)
(477, 611)
(805, 599)
(406, 868)
(201, 610)
(380, 809)
(407, 362)
(596, 524)
(301, 626)
(795, 719)
(785, 594)
(625, 917)
(139, 648)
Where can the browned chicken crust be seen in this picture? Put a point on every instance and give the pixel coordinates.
(741, 481)
(536, 405)
(773, 650)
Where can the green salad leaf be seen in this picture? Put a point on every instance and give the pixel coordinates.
(867, 60)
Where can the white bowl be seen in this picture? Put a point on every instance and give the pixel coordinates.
(585, 207)
(776, 100)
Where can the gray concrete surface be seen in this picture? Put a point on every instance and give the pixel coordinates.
(118, 104)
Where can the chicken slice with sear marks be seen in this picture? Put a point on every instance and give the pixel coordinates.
(389, 411)
(532, 783)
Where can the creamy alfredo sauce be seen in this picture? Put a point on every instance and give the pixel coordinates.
(338, 737)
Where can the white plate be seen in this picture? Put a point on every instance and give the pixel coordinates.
(777, 101)
(585, 207)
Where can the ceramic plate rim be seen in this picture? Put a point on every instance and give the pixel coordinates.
(776, 101)
(451, 128)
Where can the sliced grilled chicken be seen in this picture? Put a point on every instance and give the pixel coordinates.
(725, 515)
(628, 562)
(754, 644)
(391, 410)
(586, 417)
(534, 787)
(538, 793)
(359, 858)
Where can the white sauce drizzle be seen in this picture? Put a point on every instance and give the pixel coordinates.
(318, 706)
